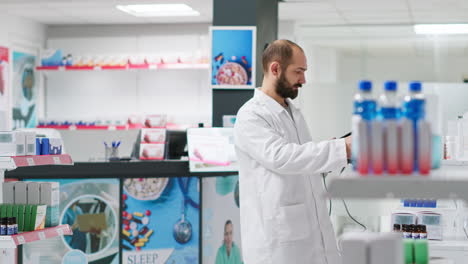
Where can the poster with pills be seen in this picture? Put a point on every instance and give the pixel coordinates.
(91, 208)
(221, 220)
(233, 57)
(160, 220)
(4, 88)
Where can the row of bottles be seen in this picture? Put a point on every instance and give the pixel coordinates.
(390, 134)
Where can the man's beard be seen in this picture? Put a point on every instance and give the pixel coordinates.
(285, 89)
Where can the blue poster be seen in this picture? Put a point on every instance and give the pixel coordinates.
(91, 208)
(25, 89)
(160, 220)
(233, 57)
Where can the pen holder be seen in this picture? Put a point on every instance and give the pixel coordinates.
(111, 153)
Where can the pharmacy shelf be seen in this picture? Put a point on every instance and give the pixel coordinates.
(28, 237)
(84, 127)
(11, 163)
(448, 183)
(160, 66)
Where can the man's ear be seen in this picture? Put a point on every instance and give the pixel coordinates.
(275, 69)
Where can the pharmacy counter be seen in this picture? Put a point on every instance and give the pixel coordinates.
(135, 212)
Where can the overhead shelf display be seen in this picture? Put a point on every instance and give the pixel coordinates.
(446, 183)
(160, 66)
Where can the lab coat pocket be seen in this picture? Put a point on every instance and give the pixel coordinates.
(293, 223)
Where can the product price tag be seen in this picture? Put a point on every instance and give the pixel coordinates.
(97, 68)
(61, 68)
(112, 128)
(30, 161)
(42, 235)
(60, 231)
(5, 238)
(72, 127)
(21, 240)
(153, 66)
(56, 160)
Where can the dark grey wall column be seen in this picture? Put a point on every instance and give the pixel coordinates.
(260, 13)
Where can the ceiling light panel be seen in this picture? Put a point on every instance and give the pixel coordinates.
(159, 10)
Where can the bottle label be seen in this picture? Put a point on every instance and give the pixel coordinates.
(415, 235)
(3, 230)
(423, 236)
(10, 230)
(406, 235)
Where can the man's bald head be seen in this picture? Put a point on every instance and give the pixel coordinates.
(280, 51)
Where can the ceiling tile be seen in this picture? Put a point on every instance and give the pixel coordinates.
(381, 5)
(440, 17)
(377, 18)
(436, 5)
(304, 10)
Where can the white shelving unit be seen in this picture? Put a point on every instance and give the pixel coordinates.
(8, 244)
(447, 182)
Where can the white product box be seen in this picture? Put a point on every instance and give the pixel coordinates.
(152, 151)
(55, 146)
(355, 247)
(12, 143)
(156, 121)
(30, 143)
(153, 135)
(7, 143)
(50, 196)
(21, 192)
(33, 190)
(8, 192)
(386, 249)
(20, 139)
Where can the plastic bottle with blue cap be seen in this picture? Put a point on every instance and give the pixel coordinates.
(364, 111)
(414, 110)
(389, 113)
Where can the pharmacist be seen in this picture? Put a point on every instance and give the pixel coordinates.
(284, 217)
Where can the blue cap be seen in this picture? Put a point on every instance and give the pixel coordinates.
(390, 86)
(365, 85)
(415, 86)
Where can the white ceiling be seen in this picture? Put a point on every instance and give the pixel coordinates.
(376, 27)
(353, 25)
(305, 12)
(65, 12)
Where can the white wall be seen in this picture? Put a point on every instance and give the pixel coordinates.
(333, 75)
(182, 94)
(19, 34)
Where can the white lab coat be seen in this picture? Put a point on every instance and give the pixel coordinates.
(284, 216)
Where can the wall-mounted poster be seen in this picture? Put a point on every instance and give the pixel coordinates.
(4, 88)
(233, 57)
(221, 220)
(91, 209)
(161, 220)
(25, 89)
(211, 149)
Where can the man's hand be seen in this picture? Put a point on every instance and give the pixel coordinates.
(348, 146)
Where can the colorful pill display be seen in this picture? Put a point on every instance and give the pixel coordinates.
(135, 229)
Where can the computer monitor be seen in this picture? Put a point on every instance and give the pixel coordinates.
(176, 144)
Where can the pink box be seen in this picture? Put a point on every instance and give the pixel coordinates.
(152, 151)
(158, 121)
(153, 135)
